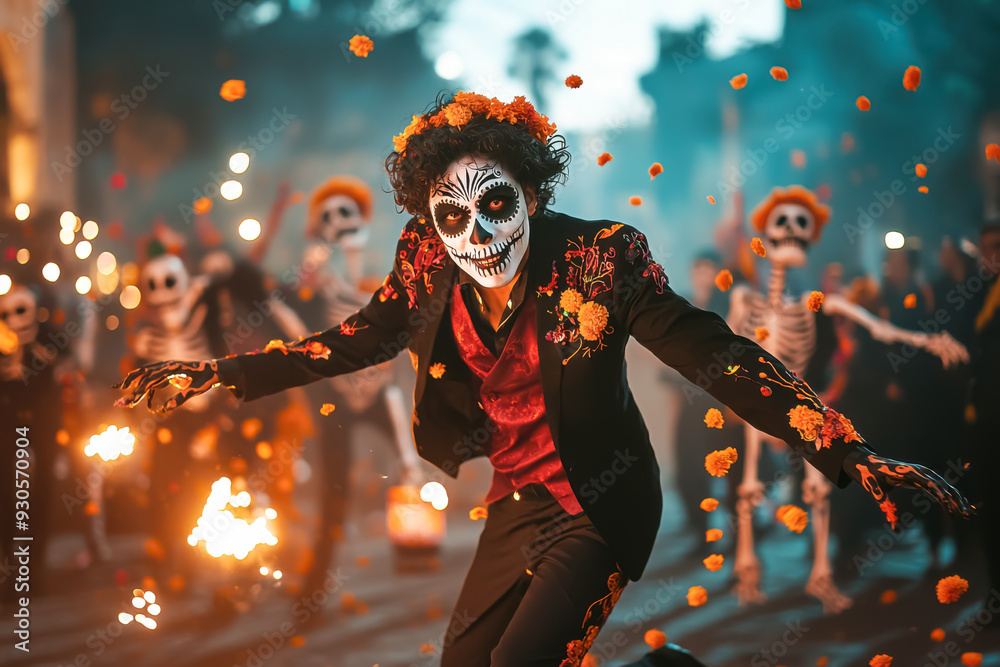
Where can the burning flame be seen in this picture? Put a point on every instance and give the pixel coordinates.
(111, 444)
(225, 534)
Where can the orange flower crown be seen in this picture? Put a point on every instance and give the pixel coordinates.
(465, 106)
(793, 194)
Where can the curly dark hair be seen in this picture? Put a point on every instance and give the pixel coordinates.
(428, 154)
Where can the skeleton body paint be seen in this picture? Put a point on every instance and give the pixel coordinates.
(480, 212)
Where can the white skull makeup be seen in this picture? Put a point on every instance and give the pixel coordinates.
(480, 213)
(340, 222)
(164, 281)
(789, 231)
(18, 310)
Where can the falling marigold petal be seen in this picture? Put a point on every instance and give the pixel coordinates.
(714, 562)
(761, 333)
(361, 45)
(604, 158)
(717, 463)
(937, 635)
(738, 81)
(713, 535)
(887, 597)
(923, 189)
(920, 169)
(655, 170)
(709, 504)
(436, 371)
(758, 247)
(795, 518)
(724, 280)
(815, 301)
(573, 81)
(910, 301)
(655, 638)
(477, 513)
(864, 103)
(951, 588)
(711, 199)
(635, 201)
(911, 78)
(232, 90)
(971, 659)
(993, 152)
(327, 408)
(779, 73)
(881, 660)
(713, 418)
(794, 4)
(697, 596)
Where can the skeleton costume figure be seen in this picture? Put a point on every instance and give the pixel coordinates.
(520, 357)
(338, 228)
(790, 220)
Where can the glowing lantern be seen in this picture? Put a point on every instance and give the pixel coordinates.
(416, 529)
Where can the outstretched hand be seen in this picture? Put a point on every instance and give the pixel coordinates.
(880, 475)
(189, 377)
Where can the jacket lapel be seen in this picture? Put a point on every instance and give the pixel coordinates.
(544, 243)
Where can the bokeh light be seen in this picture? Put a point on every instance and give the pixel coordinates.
(130, 297)
(894, 240)
(249, 229)
(83, 285)
(51, 272)
(238, 162)
(66, 235)
(90, 229)
(106, 263)
(5, 283)
(23, 256)
(231, 190)
(83, 249)
(22, 211)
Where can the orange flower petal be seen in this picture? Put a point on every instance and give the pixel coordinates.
(655, 638)
(911, 78)
(604, 158)
(327, 408)
(794, 4)
(910, 301)
(761, 333)
(477, 513)
(920, 169)
(758, 247)
(635, 201)
(361, 45)
(724, 280)
(822, 661)
(738, 81)
(697, 596)
(798, 159)
(655, 170)
(795, 518)
(437, 371)
(881, 660)
(202, 205)
(923, 189)
(714, 562)
(779, 73)
(717, 463)
(951, 588)
(713, 418)
(713, 535)
(711, 199)
(993, 152)
(815, 301)
(937, 635)
(573, 81)
(972, 659)
(232, 90)
(709, 504)
(887, 597)
(864, 103)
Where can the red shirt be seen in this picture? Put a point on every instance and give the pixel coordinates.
(521, 448)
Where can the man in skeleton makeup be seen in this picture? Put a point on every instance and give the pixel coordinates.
(519, 349)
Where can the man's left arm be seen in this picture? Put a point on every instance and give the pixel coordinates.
(751, 381)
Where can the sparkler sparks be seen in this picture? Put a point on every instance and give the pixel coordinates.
(111, 444)
(225, 534)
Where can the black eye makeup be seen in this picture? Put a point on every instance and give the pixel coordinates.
(450, 218)
(498, 203)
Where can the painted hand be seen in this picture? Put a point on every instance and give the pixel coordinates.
(189, 377)
(880, 475)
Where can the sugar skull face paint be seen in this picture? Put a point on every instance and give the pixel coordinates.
(480, 212)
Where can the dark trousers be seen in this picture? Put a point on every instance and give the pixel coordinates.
(541, 586)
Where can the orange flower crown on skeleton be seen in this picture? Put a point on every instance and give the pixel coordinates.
(467, 106)
(793, 194)
(350, 186)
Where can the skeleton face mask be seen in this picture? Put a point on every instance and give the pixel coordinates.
(18, 310)
(480, 213)
(340, 222)
(789, 231)
(164, 281)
